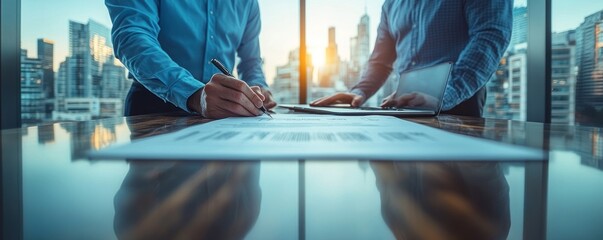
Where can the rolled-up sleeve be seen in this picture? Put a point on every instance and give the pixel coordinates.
(135, 40)
(490, 25)
(250, 67)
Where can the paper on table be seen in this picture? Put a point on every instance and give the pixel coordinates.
(305, 136)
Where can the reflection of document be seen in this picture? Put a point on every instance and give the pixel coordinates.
(301, 136)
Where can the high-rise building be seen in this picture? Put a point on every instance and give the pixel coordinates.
(32, 90)
(520, 27)
(90, 48)
(46, 56)
(359, 52)
(563, 77)
(589, 83)
(286, 82)
(112, 83)
(329, 73)
(497, 102)
(517, 97)
(90, 82)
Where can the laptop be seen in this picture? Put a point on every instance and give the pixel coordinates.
(423, 86)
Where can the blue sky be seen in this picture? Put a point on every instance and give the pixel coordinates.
(280, 19)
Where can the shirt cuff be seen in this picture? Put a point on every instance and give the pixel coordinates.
(179, 93)
(451, 99)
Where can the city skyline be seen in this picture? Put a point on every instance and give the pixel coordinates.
(336, 70)
(276, 18)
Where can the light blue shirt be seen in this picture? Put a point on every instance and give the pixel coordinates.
(473, 34)
(167, 44)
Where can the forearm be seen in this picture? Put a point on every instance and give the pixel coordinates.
(372, 79)
(135, 41)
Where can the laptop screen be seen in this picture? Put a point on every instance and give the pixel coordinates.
(423, 88)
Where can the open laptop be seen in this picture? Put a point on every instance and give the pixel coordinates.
(427, 83)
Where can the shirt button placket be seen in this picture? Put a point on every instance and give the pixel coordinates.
(210, 35)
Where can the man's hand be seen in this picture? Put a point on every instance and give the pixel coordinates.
(269, 102)
(226, 97)
(354, 100)
(414, 99)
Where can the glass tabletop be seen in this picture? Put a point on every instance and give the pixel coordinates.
(51, 191)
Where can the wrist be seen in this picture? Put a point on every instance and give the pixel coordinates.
(193, 103)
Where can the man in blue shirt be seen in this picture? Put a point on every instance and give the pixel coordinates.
(167, 47)
(471, 33)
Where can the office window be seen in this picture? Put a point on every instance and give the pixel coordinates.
(577, 82)
(279, 42)
(507, 88)
(67, 56)
(340, 42)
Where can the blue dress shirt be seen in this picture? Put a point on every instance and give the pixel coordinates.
(167, 45)
(473, 34)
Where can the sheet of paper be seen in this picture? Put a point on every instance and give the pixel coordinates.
(305, 136)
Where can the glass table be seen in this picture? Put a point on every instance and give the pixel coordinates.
(51, 191)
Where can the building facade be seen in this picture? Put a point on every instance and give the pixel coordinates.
(589, 59)
(32, 90)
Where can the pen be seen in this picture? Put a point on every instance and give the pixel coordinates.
(225, 71)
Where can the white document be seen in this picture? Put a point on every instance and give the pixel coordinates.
(305, 136)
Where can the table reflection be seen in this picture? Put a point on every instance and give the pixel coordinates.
(182, 200)
(444, 200)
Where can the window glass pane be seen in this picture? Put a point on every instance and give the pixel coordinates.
(577, 62)
(279, 42)
(68, 71)
(340, 42)
(506, 97)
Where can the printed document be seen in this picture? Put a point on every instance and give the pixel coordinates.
(316, 137)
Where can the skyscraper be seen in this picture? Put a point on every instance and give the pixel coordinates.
(46, 56)
(90, 82)
(330, 71)
(517, 81)
(89, 49)
(32, 91)
(286, 82)
(563, 77)
(497, 102)
(589, 55)
(359, 52)
(112, 84)
(520, 27)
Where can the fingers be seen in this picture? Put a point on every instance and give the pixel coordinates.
(239, 86)
(219, 108)
(399, 101)
(335, 98)
(269, 103)
(218, 95)
(357, 101)
(258, 91)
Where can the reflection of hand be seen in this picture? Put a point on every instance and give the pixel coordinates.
(414, 99)
(224, 96)
(269, 102)
(354, 100)
(188, 201)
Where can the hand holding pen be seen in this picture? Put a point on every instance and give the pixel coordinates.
(224, 96)
(223, 69)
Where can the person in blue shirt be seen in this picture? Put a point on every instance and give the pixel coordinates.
(473, 34)
(167, 47)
